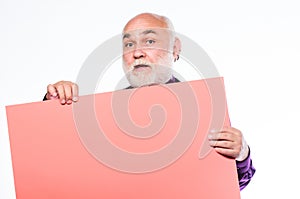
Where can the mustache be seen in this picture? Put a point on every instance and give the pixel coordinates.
(139, 62)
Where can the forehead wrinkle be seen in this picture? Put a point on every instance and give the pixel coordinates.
(145, 32)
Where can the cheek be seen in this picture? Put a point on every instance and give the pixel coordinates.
(127, 60)
(155, 55)
(163, 57)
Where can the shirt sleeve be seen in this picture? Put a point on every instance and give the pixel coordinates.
(45, 97)
(245, 171)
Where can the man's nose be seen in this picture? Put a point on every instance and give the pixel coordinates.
(138, 53)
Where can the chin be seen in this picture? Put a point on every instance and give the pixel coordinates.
(139, 80)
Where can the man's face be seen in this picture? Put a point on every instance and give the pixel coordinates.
(147, 54)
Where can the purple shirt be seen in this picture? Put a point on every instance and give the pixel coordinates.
(245, 171)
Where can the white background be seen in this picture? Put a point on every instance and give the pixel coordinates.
(255, 46)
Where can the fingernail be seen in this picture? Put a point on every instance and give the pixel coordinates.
(75, 99)
(213, 131)
(52, 97)
(63, 101)
(209, 136)
(69, 102)
(54, 94)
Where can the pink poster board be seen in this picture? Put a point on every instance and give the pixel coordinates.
(145, 143)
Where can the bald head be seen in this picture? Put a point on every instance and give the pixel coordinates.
(148, 20)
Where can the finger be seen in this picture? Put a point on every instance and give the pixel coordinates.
(222, 144)
(68, 93)
(227, 152)
(51, 91)
(231, 129)
(221, 136)
(61, 92)
(75, 92)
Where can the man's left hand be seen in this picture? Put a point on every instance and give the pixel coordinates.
(229, 142)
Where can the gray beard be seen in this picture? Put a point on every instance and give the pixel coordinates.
(158, 75)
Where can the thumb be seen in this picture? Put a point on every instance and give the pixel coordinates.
(51, 92)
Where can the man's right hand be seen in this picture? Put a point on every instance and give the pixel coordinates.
(66, 91)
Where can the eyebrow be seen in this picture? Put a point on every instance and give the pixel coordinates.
(127, 35)
(148, 32)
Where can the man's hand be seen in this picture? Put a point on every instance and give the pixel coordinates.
(229, 142)
(66, 91)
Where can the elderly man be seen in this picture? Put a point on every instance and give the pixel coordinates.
(149, 49)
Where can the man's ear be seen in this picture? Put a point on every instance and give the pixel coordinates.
(176, 48)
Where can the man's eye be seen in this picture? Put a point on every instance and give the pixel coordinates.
(128, 45)
(150, 41)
